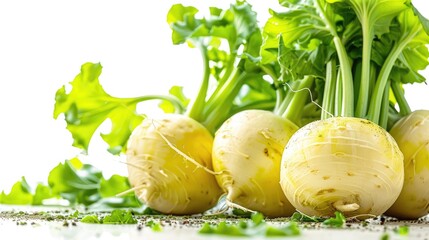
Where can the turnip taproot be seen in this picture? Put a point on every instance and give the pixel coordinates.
(247, 150)
(342, 164)
(412, 135)
(164, 179)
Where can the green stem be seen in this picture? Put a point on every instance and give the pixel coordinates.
(288, 98)
(363, 97)
(377, 94)
(268, 105)
(279, 90)
(226, 89)
(196, 109)
(398, 92)
(294, 109)
(178, 106)
(338, 105)
(347, 100)
(222, 109)
(329, 90)
(384, 113)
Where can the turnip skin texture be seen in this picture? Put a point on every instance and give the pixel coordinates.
(412, 135)
(162, 178)
(342, 164)
(247, 151)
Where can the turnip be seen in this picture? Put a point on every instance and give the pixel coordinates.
(164, 179)
(347, 161)
(247, 151)
(412, 135)
(342, 164)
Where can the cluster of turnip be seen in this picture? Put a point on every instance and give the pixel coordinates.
(265, 162)
(338, 135)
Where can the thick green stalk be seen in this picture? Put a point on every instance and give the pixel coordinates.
(225, 80)
(347, 100)
(195, 111)
(363, 97)
(384, 113)
(294, 110)
(383, 77)
(222, 91)
(398, 92)
(329, 90)
(279, 90)
(338, 105)
(224, 104)
(290, 87)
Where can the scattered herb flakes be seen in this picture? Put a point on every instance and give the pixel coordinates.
(336, 222)
(300, 217)
(255, 226)
(402, 230)
(91, 219)
(385, 236)
(117, 216)
(155, 226)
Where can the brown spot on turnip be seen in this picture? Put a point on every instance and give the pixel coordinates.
(326, 177)
(314, 171)
(325, 191)
(266, 152)
(350, 174)
(378, 186)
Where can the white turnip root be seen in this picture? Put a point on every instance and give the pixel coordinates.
(342, 164)
(412, 135)
(247, 151)
(162, 176)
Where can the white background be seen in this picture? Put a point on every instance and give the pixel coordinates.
(42, 46)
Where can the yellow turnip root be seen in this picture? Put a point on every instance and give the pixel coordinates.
(169, 163)
(412, 135)
(342, 164)
(247, 151)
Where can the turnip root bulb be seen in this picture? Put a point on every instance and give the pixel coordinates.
(162, 178)
(412, 135)
(342, 164)
(247, 150)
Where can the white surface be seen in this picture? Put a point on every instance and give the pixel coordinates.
(42, 46)
(57, 231)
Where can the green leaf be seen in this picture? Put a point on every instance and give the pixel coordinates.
(291, 229)
(299, 217)
(76, 182)
(256, 226)
(119, 216)
(42, 192)
(336, 222)
(176, 91)
(116, 184)
(87, 106)
(91, 219)
(155, 226)
(402, 230)
(20, 194)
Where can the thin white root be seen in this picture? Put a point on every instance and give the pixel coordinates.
(235, 205)
(359, 216)
(311, 98)
(186, 157)
(350, 207)
(126, 192)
